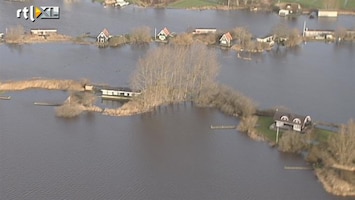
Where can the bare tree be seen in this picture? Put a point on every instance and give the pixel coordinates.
(340, 33)
(294, 38)
(14, 33)
(175, 73)
(341, 146)
(140, 35)
(292, 141)
(242, 35)
(285, 36)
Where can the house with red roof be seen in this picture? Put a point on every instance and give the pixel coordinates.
(103, 37)
(163, 34)
(226, 40)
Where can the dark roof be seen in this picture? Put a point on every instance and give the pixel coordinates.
(291, 116)
(126, 89)
(292, 6)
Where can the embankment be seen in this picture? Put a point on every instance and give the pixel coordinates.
(49, 84)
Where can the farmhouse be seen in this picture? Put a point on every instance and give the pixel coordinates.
(289, 8)
(103, 37)
(291, 121)
(226, 40)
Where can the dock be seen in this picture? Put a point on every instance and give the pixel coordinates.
(297, 168)
(5, 97)
(46, 104)
(223, 127)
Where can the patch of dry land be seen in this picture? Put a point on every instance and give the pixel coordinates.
(50, 84)
(30, 39)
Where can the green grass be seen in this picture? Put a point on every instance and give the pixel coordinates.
(263, 127)
(350, 4)
(322, 135)
(99, 1)
(193, 3)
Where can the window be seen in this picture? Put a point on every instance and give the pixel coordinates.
(297, 121)
(284, 118)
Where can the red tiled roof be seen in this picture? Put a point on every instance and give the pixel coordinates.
(165, 31)
(228, 36)
(105, 31)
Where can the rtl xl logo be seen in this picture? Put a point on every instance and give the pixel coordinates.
(42, 12)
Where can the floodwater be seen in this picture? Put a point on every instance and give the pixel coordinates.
(170, 153)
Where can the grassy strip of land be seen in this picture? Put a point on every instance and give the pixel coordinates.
(340, 4)
(193, 3)
(322, 135)
(263, 125)
(50, 84)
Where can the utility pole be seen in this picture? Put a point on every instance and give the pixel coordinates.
(155, 33)
(277, 129)
(277, 134)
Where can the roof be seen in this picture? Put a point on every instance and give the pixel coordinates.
(291, 6)
(126, 89)
(122, 89)
(105, 32)
(228, 36)
(283, 116)
(165, 31)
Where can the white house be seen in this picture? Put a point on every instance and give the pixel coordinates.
(163, 34)
(121, 3)
(284, 12)
(226, 39)
(291, 121)
(268, 39)
(104, 36)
